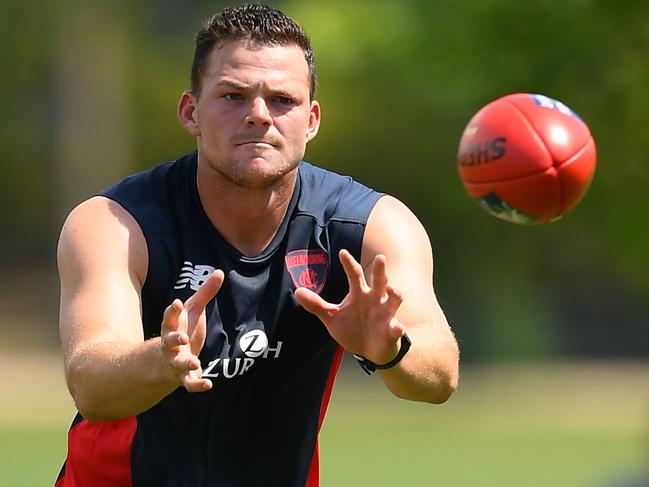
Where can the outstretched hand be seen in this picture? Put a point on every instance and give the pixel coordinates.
(184, 328)
(364, 322)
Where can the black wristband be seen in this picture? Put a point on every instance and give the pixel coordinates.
(369, 366)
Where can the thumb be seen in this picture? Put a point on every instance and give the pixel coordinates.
(314, 304)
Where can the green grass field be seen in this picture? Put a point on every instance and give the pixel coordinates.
(508, 425)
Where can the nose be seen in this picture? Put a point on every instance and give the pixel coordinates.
(259, 114)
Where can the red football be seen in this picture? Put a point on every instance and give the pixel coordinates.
(526, 158)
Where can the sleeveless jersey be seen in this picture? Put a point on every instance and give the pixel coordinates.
(272, 364)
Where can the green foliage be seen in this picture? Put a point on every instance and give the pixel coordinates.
(26, 136)
(398, 83)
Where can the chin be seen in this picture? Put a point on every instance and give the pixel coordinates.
(259, 173)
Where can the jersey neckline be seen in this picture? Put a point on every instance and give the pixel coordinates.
(216, 236)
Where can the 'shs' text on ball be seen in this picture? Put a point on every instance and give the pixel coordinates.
(476, 153)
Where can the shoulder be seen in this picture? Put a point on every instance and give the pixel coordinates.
(395, 231)
(98, 214)
(143, 181)
(328, 195)
(100, 235)
(150, 196)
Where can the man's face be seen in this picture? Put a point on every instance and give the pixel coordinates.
(254, 116)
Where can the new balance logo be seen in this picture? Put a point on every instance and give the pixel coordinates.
(193, 275)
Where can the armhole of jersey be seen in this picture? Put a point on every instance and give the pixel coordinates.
(144, 234)
(364, 227)
(354, 233)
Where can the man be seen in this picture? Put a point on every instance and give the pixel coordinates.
(205, 304)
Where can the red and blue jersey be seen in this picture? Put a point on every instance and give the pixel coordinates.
(272, 364)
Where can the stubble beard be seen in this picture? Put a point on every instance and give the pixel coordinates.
(243, 176)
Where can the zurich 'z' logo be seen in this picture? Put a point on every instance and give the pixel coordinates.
(193, 275)
(308, 268)
(547, 102)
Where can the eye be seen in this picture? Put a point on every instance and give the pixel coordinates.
(283, 100)
(233, 96)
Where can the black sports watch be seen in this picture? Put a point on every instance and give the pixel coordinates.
(369, 367)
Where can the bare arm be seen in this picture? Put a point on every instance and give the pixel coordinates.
(429, 371)
(391, 292)
(111, 370)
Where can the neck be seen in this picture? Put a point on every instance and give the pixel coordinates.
(248, 218)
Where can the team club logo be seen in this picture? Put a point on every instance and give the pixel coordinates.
(308, 268)
(254, 345)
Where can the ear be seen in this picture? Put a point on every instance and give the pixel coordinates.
(187, 113)
(314, 121)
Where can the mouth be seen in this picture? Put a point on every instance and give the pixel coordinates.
(261, 143)
(259, 140)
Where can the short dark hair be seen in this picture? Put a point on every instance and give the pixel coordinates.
(257, 23)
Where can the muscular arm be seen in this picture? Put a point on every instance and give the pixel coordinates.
(391, 292)
(111, 370)
(429, 371)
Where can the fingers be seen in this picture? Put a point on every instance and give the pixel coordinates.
(379, 276)
(314, 304)
(177, 355)
(189, 374)
(354, 272)
(199, 299)
(184, 366)
(193, 382)
(172, 340)
(379, 283)
(183, 335)
(396, 329)
(393, 301)
(207, 290)
(184, 363)
(171, 315)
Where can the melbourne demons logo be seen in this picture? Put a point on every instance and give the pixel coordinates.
(308, 268)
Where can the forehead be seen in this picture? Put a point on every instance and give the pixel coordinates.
(250, 62)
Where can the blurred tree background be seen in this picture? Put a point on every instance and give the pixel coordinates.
(89, 91)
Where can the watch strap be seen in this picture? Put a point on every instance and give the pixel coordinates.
(369, 367)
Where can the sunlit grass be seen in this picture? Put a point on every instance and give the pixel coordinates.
(564, 425)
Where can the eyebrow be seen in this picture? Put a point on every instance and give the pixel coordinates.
(231, 84)
(242, 86)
